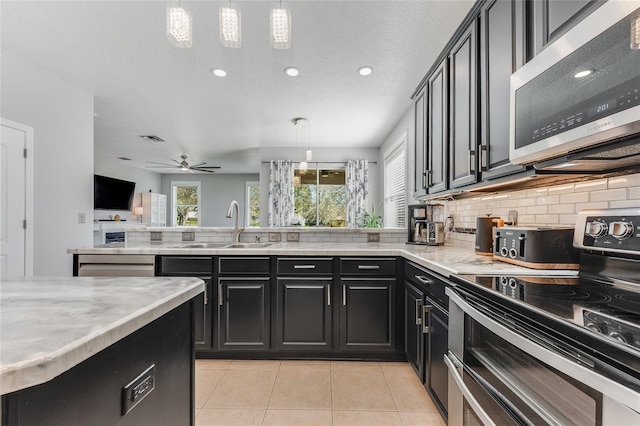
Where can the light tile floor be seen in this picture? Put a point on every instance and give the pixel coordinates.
(311, 393)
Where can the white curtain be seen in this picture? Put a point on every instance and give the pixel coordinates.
(280, 193)
(357, 177)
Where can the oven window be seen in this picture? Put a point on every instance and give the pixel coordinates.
(536, 391)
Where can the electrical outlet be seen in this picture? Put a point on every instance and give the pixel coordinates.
(373, 237)
(293, 236)
(188, 236)
(155, 236)
(450, 223)
(81, 217)
(512, 217)
(274, 237)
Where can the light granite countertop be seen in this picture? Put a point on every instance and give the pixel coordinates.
(446, 260)
(49, 325)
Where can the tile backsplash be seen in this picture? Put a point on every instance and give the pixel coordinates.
(547, 206)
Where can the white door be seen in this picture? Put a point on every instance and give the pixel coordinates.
(12, 201)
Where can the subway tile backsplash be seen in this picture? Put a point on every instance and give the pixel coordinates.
(550, 206)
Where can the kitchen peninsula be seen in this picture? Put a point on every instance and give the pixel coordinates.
(97, 350)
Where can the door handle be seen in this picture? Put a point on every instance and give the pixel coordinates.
(426, 325)
(368, 266)
(304, 266)
(219, 294)
(418, 317)
(328, 294)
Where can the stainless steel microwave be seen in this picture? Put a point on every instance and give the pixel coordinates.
(576, 106)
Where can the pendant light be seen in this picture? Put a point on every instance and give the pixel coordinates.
(302, 129)
(179, 28)
(280, 27)
(230, 31)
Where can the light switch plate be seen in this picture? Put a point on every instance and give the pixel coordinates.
(373, 237)
(275, 237)
(155, 236)
(81, 217)
(188, 236)
(293, 236)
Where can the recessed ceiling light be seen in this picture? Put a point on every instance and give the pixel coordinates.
(583, 73)
(291, 71)
(218, 72)
(364, 71)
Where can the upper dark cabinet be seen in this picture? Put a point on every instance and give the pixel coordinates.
(420, 169)
(549, 19)
(437, 129)
(502, 52)
(463, 111)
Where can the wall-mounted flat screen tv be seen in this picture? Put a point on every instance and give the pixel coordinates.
(112, 194)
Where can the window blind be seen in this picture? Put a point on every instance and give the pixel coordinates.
(395, 188)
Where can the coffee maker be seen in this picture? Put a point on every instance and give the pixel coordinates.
(426, 224)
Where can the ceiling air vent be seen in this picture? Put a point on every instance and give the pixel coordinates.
(152, 138)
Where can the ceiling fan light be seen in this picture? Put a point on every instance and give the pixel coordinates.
(280, 28)
(179, 28)
(230, 31)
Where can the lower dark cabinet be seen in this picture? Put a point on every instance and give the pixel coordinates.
(243, 314)
(414, 347)
(303, 314)
(202, 317)
(437, 376)
(368, 314)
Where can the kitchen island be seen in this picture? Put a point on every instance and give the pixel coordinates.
(97, 350)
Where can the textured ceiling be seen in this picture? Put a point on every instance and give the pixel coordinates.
(143, 85)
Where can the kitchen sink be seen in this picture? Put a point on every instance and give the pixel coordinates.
(248, 245)
(202, 245)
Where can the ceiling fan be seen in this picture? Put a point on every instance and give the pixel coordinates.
(183, 165)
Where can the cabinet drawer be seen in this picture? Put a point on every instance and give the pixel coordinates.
(243, 265)
(432, 284)
(305, 266)
(368, 266)
(185, 265)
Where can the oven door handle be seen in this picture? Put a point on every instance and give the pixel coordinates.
(466, 393)
(602, 384)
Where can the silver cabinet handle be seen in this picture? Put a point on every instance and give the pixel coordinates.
(328, 294)
(470, 155)
(483, 158)
(429, 178)
(426, 325)
(424, 179)
(423, 279)
(468, 396)
(418, 317)
(368, 266)
(304, 266)
(206, 294)
(344, 295)
(219, 294)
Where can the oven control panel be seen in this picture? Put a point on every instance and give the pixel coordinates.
(620, 328)
(616, 230)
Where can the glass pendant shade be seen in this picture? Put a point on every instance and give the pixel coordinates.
(303, 165)
(280, 28)
(635, 31)
(179, 28)
(230, 32)
(309, 155)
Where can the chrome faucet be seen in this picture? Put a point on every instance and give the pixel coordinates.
(236, 229)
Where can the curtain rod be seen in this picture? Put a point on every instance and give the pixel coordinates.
(323, 162)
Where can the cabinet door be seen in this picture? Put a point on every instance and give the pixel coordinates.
(243, 313)
(202, 317)
(413, 337)
(501, 53)
(303, 314)
(437, 375)
(463, 110)
(368, 314)
(552, 18)
(437, 130)
(420, 173)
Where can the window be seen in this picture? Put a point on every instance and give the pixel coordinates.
(394, 185)
(185, 203)
(320, 196)
(252, 194)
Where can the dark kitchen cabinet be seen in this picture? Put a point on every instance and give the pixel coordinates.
(436, 376)
(502, 52)
(463, 140)
(200, 267)
(303, 314)
(413, 333)
(243, 320)
(368, 314)
(437, 129)
(243, 313)
(420, 172)
(549, 19)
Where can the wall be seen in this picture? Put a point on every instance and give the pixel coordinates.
(554, 205)
(216, 191)
(338, 155)
(62, 118)
(145, 181)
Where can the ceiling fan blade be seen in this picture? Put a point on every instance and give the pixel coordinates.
(209, 167)
(163, 164)
(176, 161)
(161, 167)
(202, 170)
(198, 164)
